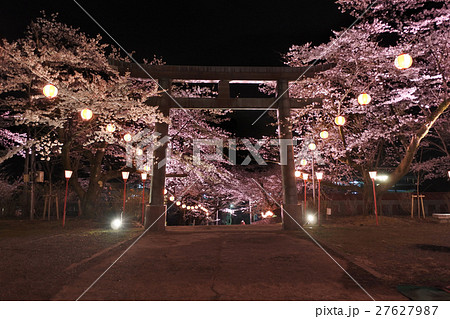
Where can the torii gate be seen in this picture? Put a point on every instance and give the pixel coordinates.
(224, 74)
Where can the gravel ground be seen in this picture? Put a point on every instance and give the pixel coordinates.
(38, 257)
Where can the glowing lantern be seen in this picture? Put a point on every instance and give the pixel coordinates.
(324, 134)
(403, 61)
(305, 176)
(86, 114)
(50, 91)
(178, 203)
(298, 174)
(110, 128)
(147, 168)
(165, 191)
(183, 206)
(319, 175)
(312, 146)
(303, 162)
(172, 198)
(364, 99)
(339, 120)
(127, 137)
(139, 152)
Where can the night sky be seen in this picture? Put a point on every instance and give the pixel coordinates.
(192, 32)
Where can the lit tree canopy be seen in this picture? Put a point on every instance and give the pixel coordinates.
(405, 104)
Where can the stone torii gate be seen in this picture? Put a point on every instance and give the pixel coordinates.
(165, 74)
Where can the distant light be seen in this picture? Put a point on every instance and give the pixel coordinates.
(144, 176)
(319, 175)
(373, 174)
(139, 152)
(50, 91)
(178, 203)
(125, 175)
(116, 224)
(172, 198)
(305, 176)
(196, 206)
(298, 174)
(165, 191)
(188, 207)
(147, 168)
(364, 99)
(86, 114)
(339, 120)
(448, 174)
(127, 137)
(303, 162)
(311, 218)
(403, 61)
(324, 134)
(183, 206)
(382, 178)
(267, 214)
(110, 128)
(312, 146)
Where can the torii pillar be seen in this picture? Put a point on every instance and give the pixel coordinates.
(290, 212)
(155, 212)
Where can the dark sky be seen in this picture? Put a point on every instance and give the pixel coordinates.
(192, 32)
(195, 32)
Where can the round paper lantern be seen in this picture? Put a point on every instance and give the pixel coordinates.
(127, 137)
(364, 99)
(339, 120)
(86, 114)
(50, 91)
(110, 128)
(324, 134)
(403, 61)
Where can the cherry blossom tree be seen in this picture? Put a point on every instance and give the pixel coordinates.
(405, 104)
(52, 52)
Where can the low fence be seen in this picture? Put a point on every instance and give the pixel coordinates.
(390, 204)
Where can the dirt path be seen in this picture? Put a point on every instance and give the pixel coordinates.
(258, 263)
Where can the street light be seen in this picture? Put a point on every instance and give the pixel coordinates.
(298, 174)
(364, 99)
(312, 146)
(67, 175)
(303, 162)
(319, 176)
(125, 176)
(172, 198)
(86, 114)
(305, 178)
(50, 91)
(144, 178)
(373, 175)
(403, 61)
